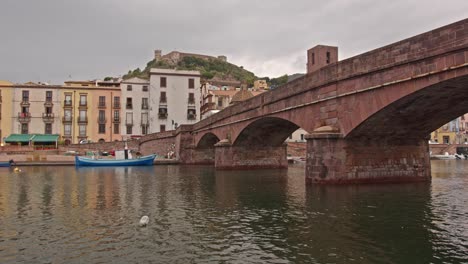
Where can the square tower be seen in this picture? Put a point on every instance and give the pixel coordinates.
(321, 56)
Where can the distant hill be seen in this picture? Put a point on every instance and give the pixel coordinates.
(209, 69)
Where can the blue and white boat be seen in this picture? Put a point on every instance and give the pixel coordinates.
(90, 162)
(7, 163)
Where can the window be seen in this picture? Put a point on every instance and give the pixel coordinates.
(102, 101)
(25, 96)
(83, 100)
(191, 114)
(129, 130)
(116, 129)
(290, 136)
(162, 128)
(129, 119)
(116, 101)
(302, 136)
(446, 139)
(163, 98)
(68, 99)
(163, 81)
(144, 129)
(102, 116)
(67, 115)
(82, 117)
(220, 102)
(129, 87)
(191, 98)
(116, 116)
(67, 129)
(144, 118)
(102, 129)
(48, 129)
(48, 96)
(48, 111)
(313, 58)
(24, 128)
(191, 83)
(328, 57)
(82, 129)
(145, 88)
(129, 104)
(144, 103)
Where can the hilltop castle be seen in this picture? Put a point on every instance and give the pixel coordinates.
(174, 57)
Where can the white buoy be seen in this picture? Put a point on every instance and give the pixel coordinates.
(144, 220)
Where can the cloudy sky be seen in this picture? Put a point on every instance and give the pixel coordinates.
(55, 40)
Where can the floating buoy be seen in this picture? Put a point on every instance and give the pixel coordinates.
(144, 220)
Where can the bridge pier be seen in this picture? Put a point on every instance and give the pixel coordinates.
(250, 157)
(332, 159)
(198, 156)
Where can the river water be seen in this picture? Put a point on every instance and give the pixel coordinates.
(199, 215)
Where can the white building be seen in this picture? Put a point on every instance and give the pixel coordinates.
(36, 109)
(297, 136)
(174, 100)
(135, 97)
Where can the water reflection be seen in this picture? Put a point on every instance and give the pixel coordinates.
(201, 215)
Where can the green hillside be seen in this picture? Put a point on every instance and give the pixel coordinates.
(209, 69)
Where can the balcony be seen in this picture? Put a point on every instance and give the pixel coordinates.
(67, 103)
(102, 105)
(25, 102)
(83, 104)
(129, 106)
(116, 105)
(163, 100)
(129, 122)
(67, 119)
(48, 102)
(24, 117)
(101, 120)
(191, 116)
(191, 101)
(144, 107)
(162, 115)
(116, 119)
(48, 117)
(82, 120)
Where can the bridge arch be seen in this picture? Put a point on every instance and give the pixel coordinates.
(267, 131)
(207, 141)
(416, 115)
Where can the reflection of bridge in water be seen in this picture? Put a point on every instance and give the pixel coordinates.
(368, 117)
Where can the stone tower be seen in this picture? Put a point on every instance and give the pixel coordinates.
(157, 55)
(321, 56)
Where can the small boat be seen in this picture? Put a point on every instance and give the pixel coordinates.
(7, 163)
(141, 161)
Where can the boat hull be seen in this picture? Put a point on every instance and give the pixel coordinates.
(87, 162)
(5, 164)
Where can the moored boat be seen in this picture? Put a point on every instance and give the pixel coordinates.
(141, 161)
(7, 163)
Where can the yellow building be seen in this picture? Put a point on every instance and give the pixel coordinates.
(88, 111)
(454, 132)
(260, 85)
(6, 109)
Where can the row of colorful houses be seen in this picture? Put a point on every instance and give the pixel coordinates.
(83, 111)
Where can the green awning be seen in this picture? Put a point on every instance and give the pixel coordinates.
(15, 138)
(45, 138)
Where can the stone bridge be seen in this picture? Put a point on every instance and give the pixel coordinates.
(368, 117)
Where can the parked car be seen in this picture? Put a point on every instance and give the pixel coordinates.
(85, 141)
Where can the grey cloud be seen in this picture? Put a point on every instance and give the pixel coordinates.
(49, 40)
